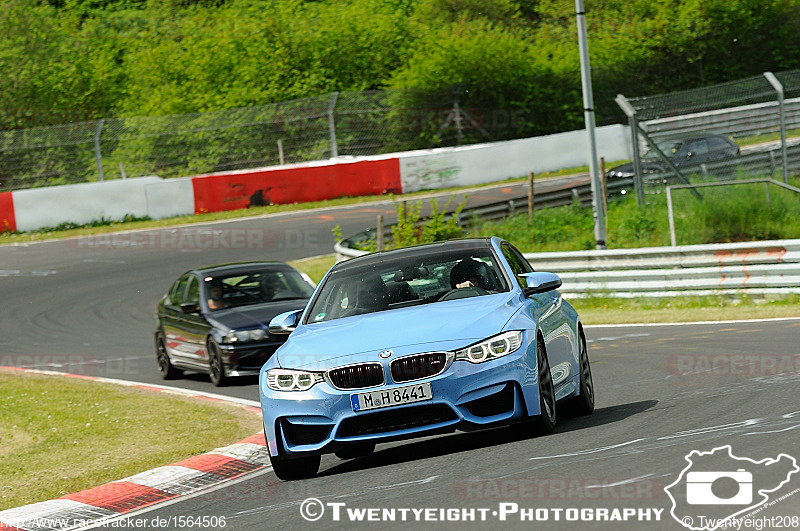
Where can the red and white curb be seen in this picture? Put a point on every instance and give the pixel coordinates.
(93, 506)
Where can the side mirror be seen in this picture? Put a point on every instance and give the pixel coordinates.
(189, 307)
(285, 323)
(540, 282)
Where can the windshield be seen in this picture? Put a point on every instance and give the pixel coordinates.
(255, 287)
(408, 280)
(670, 148)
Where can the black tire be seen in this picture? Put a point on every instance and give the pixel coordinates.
(165, 367)
(295, 468)
(545, 423)
(583, 404)
(216, 369)
(354, 451)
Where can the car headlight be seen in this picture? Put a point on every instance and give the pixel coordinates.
(292, 380)
(491, 348)
(243, 336)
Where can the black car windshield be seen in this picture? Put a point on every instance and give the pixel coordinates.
(408, 279)
(231, 290)
(670, 148)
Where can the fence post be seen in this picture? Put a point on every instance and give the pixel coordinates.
(672, 239)
(280, 151)
(97, 153)
(379, 234)
(530, 196)
(633, 122)
(332, 125)
(782, 118)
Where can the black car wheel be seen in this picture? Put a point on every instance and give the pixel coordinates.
(583, 404)
(545, 423)
(216, 370)
(165, 367)
(295, 468)
(354, 451)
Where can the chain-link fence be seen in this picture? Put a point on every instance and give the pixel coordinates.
(676, 136)
(339, 124)
(727, 155)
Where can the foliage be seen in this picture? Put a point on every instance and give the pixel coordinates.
(735, 213)
(439, 226)
(511, 65)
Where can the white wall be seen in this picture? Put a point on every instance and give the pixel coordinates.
(85, 202)
(483, 163)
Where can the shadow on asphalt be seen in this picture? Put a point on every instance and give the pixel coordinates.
(463, 442)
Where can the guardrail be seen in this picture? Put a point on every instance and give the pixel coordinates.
(765, 267)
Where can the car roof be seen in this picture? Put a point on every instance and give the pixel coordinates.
(417, 250)
(243, 267)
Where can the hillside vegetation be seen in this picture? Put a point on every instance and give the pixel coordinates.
(74, 60)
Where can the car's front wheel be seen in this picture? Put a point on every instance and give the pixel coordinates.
(583, 404)
(165, 367)
(216, 369)
(288, 469)
(545, 422)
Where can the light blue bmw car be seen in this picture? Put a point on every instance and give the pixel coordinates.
(457, 335)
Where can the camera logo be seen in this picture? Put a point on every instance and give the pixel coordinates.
(700, 488)
(716, 487)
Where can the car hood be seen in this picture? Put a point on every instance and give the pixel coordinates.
(438, 326)
(254, 315)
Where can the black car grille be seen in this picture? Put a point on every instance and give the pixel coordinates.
(357, 376)
(298, 434)
(396, 419)
(418, 366)
(494, 404)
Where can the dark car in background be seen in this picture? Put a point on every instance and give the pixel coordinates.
(689, 151)
(215, 319)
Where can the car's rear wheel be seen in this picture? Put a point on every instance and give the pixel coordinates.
(354, 451)
(583, 404)
(545, 423)
(216, 369)
(288, 469)
(165, 367)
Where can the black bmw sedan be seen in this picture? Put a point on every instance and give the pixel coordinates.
(215, 319)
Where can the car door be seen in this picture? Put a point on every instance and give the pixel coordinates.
(193, 327)
(170, 317)
(547, 310)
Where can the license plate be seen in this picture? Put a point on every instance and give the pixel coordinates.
(391, 397)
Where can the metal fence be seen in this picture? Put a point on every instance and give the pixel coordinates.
(761, 113)
(338, 124)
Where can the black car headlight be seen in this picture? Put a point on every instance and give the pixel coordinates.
(491, 348)
(292, 380)
(244, 336)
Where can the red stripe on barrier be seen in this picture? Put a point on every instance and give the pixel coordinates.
(214, 193)
(258, 438)
(220, 465)
(8, 527)
(8, 220)
(120, 497)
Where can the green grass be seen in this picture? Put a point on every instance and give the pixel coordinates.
(726, 214)
(61, 435)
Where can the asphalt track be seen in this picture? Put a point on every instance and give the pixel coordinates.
(87, 306)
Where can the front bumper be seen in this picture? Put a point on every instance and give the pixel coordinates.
(246, 358)
(466, 396)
